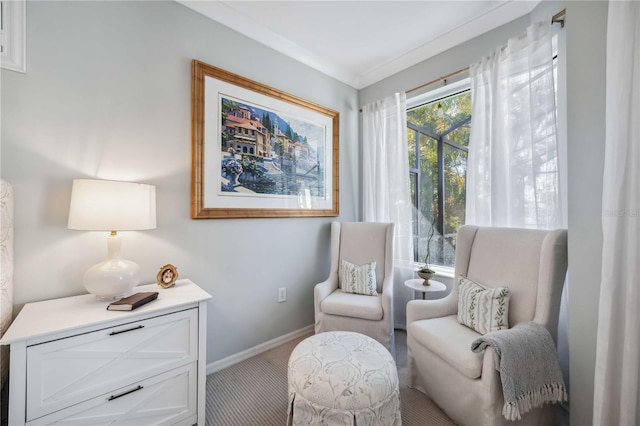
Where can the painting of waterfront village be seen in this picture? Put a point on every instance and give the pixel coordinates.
(267, 153)
(260, 152)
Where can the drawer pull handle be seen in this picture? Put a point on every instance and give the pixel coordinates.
(112, 397)
(113, 333)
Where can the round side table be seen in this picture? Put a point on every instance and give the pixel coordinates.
(416, 285)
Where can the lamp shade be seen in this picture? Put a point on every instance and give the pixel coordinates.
(104, 205)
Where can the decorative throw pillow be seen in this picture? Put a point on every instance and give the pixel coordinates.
(481, 308)
(358, 279)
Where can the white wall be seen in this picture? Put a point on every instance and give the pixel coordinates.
(107, 94)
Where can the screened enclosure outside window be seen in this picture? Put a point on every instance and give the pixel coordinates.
(438, 137)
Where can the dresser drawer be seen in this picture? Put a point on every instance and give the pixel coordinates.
(165, 399)
(75, 369)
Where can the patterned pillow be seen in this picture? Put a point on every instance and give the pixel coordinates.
(481, 308)
(358, 279)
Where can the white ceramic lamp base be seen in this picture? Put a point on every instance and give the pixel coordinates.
(115, 277)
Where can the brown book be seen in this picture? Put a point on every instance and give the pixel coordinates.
(133, 301)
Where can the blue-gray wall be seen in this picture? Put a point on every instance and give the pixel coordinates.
(107, 94)
(586, 32)
(443, 64)
(585, 38)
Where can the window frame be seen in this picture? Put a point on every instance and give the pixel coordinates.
(415, 172)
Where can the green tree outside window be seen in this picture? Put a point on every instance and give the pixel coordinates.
(438, 137)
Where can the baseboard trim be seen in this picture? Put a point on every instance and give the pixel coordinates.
(223, 363)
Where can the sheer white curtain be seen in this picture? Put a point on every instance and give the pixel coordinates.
(617, 372)
(385, 182)
(515, 171)
(512, 170)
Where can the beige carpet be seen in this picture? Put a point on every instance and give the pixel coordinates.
(254, 392)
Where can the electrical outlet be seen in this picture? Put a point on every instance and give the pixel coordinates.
(282, 294)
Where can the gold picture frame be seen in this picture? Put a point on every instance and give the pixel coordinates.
(259, 152)
(167, 276)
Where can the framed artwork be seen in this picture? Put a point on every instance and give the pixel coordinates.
(259, 152)
(167, 276)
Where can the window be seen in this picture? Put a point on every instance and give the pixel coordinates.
(438, 136)
(12, 35)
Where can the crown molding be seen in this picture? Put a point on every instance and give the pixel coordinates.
(229, 17)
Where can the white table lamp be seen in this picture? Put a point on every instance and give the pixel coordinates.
(103, 205)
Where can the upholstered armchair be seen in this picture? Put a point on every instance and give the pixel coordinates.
(466, 385)
(335, 310)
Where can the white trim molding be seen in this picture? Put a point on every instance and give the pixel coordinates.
(13, 35)
(223, 363)
(224, 13)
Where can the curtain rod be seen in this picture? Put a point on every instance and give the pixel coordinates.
(443, 78)
(557, 18)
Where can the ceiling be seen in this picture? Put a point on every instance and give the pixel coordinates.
(361, 42)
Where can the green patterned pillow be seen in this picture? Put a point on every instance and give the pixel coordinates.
(481, 308)
(358, 279)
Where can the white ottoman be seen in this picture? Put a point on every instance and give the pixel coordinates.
(342, 378)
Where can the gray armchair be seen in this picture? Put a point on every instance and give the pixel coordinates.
(335, 310)
(466, 385)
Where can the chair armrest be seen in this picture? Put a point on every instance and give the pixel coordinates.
(324, 289)
(387, 297)
(490, 376)
(426, 309)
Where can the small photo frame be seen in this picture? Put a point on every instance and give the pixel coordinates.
(167, 276)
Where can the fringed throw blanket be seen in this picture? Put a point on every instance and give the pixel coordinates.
(528, 364)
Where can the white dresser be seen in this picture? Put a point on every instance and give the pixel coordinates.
(73, 362)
